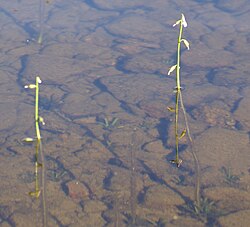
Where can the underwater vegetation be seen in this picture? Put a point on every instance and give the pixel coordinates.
(38, 120)
(230, 178)
(38, 152)
(177, 89)
(201, 208)
(180, 105)
(206, 212)
(108, 124)
(41, 21)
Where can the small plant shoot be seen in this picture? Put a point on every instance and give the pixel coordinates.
(179, 134)
(39, 190)
(182, 24)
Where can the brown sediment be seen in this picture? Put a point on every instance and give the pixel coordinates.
(86, 43)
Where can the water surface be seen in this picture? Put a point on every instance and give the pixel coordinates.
(108, 137)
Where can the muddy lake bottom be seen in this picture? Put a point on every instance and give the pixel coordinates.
(109, 138)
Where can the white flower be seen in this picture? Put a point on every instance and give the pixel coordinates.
(172, 68)
(31, 86)
(28, 139)
(183, 21)
(176, 23)
(38, 79)
(41, 120)
(186, 43)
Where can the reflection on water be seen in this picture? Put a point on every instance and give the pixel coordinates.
(108, 136)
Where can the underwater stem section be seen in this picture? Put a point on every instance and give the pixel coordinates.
(197, 194)
(41, 20)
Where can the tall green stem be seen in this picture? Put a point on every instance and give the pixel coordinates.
(38, 135)
(182, 23)
(39, 148)
(38, 152)
(176, 127)
(177, 90)
(178, 83)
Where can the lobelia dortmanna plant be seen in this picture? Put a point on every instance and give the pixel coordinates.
(178, 100)
(178, 97)
(38, 120)
(38, 151)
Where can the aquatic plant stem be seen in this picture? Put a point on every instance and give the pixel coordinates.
(39, 153)
(41, 21)
(132, 148)
(38, 134)
(197, 194)
(178, 83)
(197, 205)
(177, 90)
(37, 165)
(176, 128)
(39, 142)
(44, 198)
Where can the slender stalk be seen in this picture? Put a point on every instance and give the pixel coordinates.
(178, 82)
(43, 183)
(39, 148)
(177, 161)
(176, 127)
(183, 23)
(38, 134)
(41, 21)
(132, 147)
(197, 193)
(39, 153)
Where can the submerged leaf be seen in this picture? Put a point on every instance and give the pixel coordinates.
(39, 164)
(114, 121)
(171, 109)
(35, 194)
(177, 162)
(183, 133)
(106, 122)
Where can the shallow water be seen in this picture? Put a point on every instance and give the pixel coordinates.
(108, 137)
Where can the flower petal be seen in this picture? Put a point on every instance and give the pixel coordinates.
(186, 43)
(31, 86)
(38, 79)
(176, 23)
(183, 20)
(28, 139)
(172, 68)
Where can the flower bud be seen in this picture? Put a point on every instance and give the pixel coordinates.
(31, 86)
